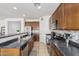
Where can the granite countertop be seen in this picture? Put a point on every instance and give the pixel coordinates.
(70, 50)
(17, 44)
(8, 35)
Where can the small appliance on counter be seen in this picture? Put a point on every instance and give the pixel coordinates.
(2, 30)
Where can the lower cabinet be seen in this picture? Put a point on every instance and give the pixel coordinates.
(55, 51)
(0, 52)
(36, 36)
(49, 49)
(17, 51)
(30, 46)
(24, 52)
(27, 50)
(10, 52)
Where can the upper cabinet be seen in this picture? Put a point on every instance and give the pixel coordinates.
(34, 25)
(59, 16)
(67, 16)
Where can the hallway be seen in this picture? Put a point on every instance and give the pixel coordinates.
(39, 49)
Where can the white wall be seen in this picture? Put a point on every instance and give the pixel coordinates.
(44, 28)
(32, 20)
(14, 19)
(13, 26)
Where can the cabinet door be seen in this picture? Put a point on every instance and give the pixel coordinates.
(30, 45)
(0, 52)
(72, 15)
(75, 15)
(58, 53)
(25, 51)
(59, 16)
(68, 16)
(10, 52)
(61, 21)
(52, 51)
(55, 51)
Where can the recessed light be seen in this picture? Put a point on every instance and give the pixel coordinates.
(24, 15)
(15, 8)
(39, 7)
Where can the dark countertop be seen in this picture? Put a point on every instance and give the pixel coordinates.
(9, 35)
(71, 50)
(17, 44)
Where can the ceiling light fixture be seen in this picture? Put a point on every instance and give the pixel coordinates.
(24, 15)
(37, 5)
(15, 8)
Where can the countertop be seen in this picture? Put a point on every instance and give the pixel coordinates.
(70, 50)
(8, 35)
(17, 44)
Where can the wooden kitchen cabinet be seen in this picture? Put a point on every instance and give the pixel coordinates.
(75, 15)
(67, 16)
(30, 45)
(24, 52)
(0, 52)
(71, 15)
(54, 51)
(28, 48)
(10, 52)
(59, 16)
(36, 36)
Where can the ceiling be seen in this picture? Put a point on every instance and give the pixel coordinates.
(31, 12)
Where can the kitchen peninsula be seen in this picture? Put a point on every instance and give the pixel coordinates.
(19, 44)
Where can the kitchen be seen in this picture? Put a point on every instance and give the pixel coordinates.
(64, 25)
(21, 26)
(55, 25)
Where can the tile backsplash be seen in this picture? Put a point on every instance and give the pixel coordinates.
(73, 34)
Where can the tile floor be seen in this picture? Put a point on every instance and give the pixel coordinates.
(39, 49)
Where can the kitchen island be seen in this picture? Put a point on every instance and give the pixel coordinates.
(16, 45)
